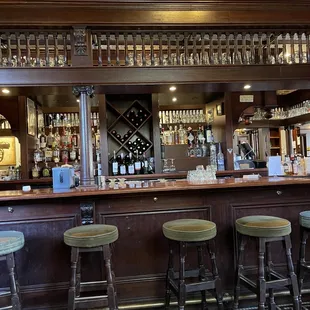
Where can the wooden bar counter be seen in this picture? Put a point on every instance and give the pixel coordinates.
(140, 254)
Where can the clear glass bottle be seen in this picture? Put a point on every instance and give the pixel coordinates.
(64, 154)
(50, 137)
(35, 172)
(42, 139)
(56, 153)
(46, 172)
(287, 165)
(213, 161)
(75, 138)
(57, 137)
(220, 159)
(72, 154)
(198, 149)
(204, 147)
(176, 135)
(37, 154)
(182, 135)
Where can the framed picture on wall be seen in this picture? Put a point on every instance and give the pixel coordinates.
(220, 109)
(31, 118)
(7, 151)
(210, 116)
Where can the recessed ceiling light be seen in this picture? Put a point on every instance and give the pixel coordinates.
(247, 86)
(174, 99)
(172, 88)
(5, 91)
(77, 100)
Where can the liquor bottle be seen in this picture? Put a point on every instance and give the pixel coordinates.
(35, 172)
(56, 153)
(204, 148)
(42, 138)
(75, 138)
(122, 167)
(287, 168)
(72, 154)
(138, 165)
(170, 136)
(64, 154)
(114, 165)
(50, 137)
(198, 149)
(145, 164)
(131, 165)
(48, 154)
(46, 172)
(220, 159)
(208, 133)
(295, 165)
(176, 135)
(57, 137)
(182, 135)
(200, 133)
(190, 136)
(37, 154)
(213, 161)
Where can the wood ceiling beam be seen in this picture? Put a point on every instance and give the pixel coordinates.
(152, 76)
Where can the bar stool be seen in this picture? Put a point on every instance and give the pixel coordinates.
(198, 233)
(265, 229)
(302, 267)
(91, 238)
(10, 242)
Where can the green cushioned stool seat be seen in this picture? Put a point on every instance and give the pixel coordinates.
(304, 219)
(11, 241)
(263, 226)
(189, 230)
(90, 236)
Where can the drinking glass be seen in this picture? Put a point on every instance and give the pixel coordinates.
(172, 167)
(166, 168)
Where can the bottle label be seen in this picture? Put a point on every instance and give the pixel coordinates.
(138, 165)
(37, 157)
(46, 172)
(35, 173)
(122, 169)
(74, 140)
(73, 155)
(48, 154)
(131, 169)
(42, 145)
(115, 167)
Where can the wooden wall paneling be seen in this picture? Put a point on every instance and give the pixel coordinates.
(148, 246)
(103, 134)
(156, 134)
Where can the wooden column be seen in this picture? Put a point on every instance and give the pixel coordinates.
(229, 132)
(86, 149)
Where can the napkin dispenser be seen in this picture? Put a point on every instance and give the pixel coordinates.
(63, 177)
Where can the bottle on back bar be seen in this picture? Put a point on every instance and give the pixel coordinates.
(122, 165)
(131, 165)
(114, 165)
(220, 159)
(138, 165)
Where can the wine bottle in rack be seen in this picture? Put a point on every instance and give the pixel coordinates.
(138, 165)
(114, 165)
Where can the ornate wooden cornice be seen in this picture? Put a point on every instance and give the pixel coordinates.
(147, 13)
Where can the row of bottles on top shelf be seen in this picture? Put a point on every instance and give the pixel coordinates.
(68, 119)
(181, 116)
(180, 135)
(130, 165)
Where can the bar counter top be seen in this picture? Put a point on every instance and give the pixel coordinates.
(155, 186)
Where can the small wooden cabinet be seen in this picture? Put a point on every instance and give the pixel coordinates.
(275, 141)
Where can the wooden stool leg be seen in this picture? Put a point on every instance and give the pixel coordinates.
(72, 289)
(218, 282)
(111, 286)
(302, 260)
(182, 286)
(78, 277)
(239, 268)
(261, 283)
(202, 276)
(10, 261)
(272, 304)
(292, 275)
(169, 275)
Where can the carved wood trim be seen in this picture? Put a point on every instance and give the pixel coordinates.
(80, 41)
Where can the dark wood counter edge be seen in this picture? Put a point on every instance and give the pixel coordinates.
(177, 175)
(164, 187)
